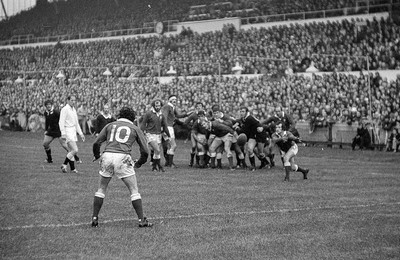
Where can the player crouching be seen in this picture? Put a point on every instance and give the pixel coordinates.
(116, 160)
(286, 142)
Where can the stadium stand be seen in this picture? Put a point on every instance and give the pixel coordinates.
(204, 56)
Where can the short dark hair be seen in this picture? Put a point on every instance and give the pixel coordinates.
(215, 108)
(48, 102)
(128, 113)
(172, 96)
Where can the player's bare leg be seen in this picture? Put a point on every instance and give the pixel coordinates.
(136, 200)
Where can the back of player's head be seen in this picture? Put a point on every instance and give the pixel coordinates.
(48, 102)
(127, 113)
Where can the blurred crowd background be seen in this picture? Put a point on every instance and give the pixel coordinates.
(273, 60)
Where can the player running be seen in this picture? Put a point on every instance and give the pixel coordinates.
(286, 142)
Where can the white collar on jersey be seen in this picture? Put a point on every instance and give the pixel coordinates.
(155, 112)
(169, 103)
(125, 120)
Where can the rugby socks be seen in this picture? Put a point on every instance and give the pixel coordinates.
(303, 171)
(252, 161)
(237, 159)
(212, 164)
(219, 163)
(243, 163)
(97, 203)
(48, 153)
(66, 161)
(201, 161)
(192, 154)
(72, 165)
(137, 205)
(271, 158)
(288, 169)
(171, 159)
(230, 159)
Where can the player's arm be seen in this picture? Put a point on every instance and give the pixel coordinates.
(78, 128)
(144, 150)
(224, 127)
(268, 120)
(61, 122)
(97, 143)
(291, 137)
(143, 122)
(276, 138)
(165, 126)
(180, 115)
(189, 119)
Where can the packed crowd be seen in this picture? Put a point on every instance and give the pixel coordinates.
(334, 98)
(104, 15)
(203, 54)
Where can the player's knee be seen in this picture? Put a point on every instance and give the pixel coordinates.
(286, 163)
(135, 196)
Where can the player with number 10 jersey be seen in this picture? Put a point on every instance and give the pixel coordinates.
(121, 135)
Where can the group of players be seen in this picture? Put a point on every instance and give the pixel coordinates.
(212, 134)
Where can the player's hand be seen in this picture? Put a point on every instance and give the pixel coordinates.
(260, 129)
(83, 138)
(45, 132)
(136, 165)
(284, 138)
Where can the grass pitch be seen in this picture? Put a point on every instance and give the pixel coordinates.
(348, 209)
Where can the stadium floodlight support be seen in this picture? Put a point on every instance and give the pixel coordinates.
(369, 80)
(108, 73)
(275, 59)
(22, 74)
(61, 74)
(208, 63)
(140, 65)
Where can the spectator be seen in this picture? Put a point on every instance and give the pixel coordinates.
(362, 139)
(393, 142)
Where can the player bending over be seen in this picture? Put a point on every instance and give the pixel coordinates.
(120, 137)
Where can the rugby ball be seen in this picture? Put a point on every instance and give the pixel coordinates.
(242, 139)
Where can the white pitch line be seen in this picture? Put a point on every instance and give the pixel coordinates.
(208, 215)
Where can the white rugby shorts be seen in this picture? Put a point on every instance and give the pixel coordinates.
(70, 134)
(118, 164)
(153, 138)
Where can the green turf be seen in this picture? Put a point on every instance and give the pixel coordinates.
(348, 209)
